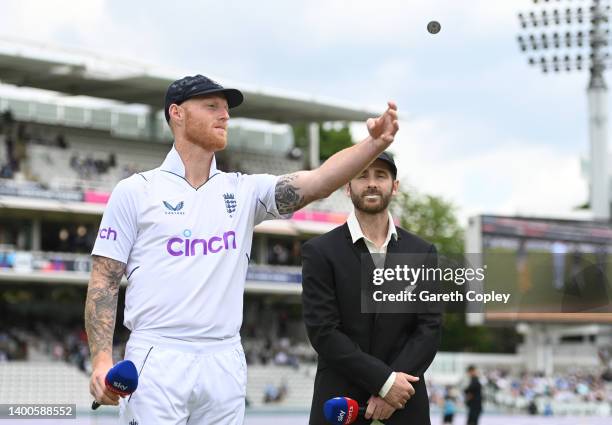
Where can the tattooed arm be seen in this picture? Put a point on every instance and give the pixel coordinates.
(100, 314)
(294, 191)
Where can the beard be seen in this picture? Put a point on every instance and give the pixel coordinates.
(200, 134)
(371, 208)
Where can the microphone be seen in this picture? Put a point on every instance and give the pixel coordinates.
(121, 379)
(343, 411)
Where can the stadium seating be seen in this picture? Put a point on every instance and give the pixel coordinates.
(59, 382)
(43, 382)
(253, 163)
(299, 383)
(52, 165)
(336, 202)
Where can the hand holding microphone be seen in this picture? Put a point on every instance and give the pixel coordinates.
(343, 411)
(378, 408)
(121, 380)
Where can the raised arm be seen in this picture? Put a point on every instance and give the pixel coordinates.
(100, 314)
(296, 190)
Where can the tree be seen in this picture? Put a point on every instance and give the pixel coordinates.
(331, 139)
(432, 218)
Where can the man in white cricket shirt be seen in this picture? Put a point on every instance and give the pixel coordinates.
(182, 234)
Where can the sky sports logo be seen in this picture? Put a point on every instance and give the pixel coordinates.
(186, 247)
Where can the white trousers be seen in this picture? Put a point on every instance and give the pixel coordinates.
(185, 383)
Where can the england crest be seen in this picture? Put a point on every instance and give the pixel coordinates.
(230, 203)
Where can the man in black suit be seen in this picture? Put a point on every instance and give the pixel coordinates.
(376, 359)
(473, 396)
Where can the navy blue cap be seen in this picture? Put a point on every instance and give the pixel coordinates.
(188, 87)
(387, 157)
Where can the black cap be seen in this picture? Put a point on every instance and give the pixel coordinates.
(388, 158)
(188, 87)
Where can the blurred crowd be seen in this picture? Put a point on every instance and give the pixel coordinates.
(16, 136)
(47, 342)
(573, 386)
(76, 239)
(69, 343)
(531, 393)
(280, 352)
(12, 347)
(87, 167)
(284, 252)
(65, 237)
(275, 393)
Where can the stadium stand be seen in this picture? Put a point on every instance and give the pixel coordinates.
(88, 159)
(37, 382)
(293, 385)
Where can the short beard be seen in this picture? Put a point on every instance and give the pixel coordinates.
(360, 205)
(205, 138)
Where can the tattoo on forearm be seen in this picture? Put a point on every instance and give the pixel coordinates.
(101, 303)
(288, 196)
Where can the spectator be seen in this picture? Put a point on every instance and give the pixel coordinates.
(7, 121)
(271, 393)
(81, 240)
(60, 141)
(279, 254)
(64, 243)
(473, 396)
(10, 152)
(532, 407)
(448, 409)
(6, 172)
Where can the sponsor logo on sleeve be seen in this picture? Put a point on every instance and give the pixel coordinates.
(108, 233)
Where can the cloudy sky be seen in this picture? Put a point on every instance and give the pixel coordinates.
(478, 125)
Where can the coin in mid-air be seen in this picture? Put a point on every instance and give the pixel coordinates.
(433, 27)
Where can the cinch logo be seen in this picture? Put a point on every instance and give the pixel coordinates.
(107, 233)
(174, 210)
(190, 247)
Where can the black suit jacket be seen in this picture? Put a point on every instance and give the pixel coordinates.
(358, 351)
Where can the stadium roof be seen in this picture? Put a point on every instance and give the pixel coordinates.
(79, 73)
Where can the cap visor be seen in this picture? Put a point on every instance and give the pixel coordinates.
(234, 97)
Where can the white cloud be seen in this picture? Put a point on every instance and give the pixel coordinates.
(516, 177)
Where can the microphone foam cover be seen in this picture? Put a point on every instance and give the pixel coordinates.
(341, 410)
(122, 379)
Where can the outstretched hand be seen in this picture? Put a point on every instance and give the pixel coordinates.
(384, 127)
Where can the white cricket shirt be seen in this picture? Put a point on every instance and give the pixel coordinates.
(187, 250)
